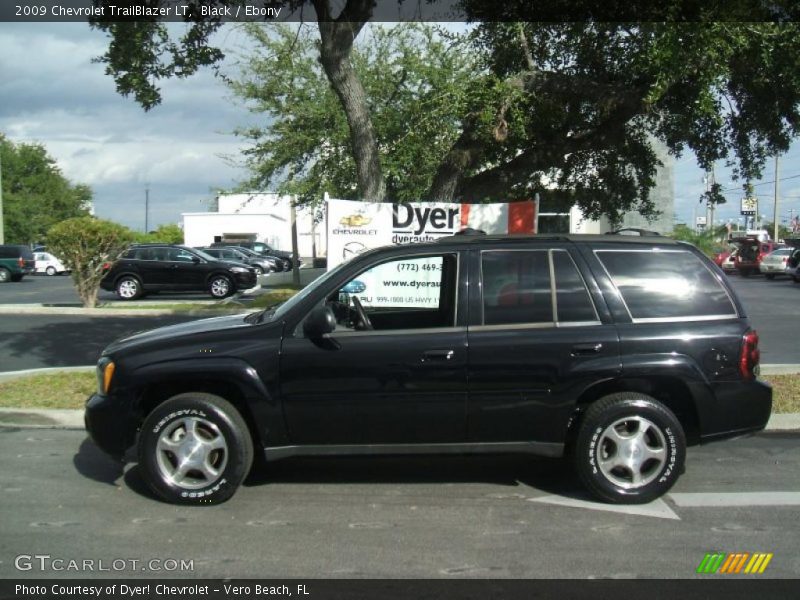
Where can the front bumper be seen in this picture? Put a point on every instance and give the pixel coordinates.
(244, 281)
(111, 424)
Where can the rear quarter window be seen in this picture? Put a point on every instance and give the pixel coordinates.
(658, 284)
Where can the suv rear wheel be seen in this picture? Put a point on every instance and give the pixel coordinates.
(128, 288)
(195, 448)
(630, 448)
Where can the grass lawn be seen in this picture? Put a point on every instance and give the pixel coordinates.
(70, 390)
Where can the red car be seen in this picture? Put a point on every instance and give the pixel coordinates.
(751, 253)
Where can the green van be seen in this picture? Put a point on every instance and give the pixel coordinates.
(15, 262)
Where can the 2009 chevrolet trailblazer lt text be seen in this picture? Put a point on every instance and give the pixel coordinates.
(618, 351)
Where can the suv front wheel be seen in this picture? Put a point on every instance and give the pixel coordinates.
(630, 448)
(195, 448)
(220, 286)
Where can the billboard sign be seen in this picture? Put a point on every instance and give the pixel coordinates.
(355, 227)
(749, 206)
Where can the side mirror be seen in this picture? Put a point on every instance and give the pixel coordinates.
(319, 322)
(196, 260)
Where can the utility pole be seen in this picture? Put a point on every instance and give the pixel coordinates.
(146, 206)
(2, 230)
(775, 206)
(295, 249)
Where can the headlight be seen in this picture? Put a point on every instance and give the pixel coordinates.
(105, 372)
(239, 270)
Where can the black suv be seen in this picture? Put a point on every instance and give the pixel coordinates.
(161, 267)
(617, 350)
(16, 261)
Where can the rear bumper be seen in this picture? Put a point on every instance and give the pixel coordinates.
(741, 407)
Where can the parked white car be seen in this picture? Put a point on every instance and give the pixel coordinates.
(774, 263)
(48, 264)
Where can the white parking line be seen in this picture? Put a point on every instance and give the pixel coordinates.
(657, 508)
(714, 499)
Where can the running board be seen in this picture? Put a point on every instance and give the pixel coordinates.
(549, 449)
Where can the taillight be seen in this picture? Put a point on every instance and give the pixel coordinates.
(21, 262)
(750, 355)
(106, 266)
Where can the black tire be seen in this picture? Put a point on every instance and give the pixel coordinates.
(259, 269)
(5, 275)
(128, 287)
(626, 413)
(770, 276)
(51, 271)
(213, 420)
(16, 278)
(220, 286)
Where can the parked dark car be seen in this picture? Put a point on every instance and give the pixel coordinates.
(617, 351)
(284, 259)
(16, 261)
(149, 268)
(277, 264)
(261, 264)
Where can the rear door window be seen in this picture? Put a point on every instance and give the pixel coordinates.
(665, 285)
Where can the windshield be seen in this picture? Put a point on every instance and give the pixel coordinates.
(307, 291)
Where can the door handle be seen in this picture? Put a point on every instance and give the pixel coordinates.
(586, 349)
(438, 355)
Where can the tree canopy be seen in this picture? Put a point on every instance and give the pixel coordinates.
(35, 193)
(542, 104)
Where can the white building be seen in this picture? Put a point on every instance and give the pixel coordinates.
(257, 216)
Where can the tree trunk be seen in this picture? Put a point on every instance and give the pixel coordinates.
(463, 155)
(336, 43)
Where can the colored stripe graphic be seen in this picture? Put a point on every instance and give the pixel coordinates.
(734, 563)
(711, 563)
(464, 215)
(759, 562)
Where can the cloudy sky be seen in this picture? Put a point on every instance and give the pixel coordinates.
(51, 93)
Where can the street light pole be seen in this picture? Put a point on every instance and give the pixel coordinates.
(2, 231)
(146, 207)
(775, 206)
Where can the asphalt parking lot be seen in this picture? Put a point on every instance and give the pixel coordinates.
(402, 517)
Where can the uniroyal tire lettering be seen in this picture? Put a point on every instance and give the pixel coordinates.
(177, 413)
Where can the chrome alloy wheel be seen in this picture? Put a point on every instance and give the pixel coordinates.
(191, 453)
(220, 287)
(631, 452)
(128, 289)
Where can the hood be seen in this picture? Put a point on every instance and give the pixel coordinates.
(279, 253)
(233, 263)
(170, 332)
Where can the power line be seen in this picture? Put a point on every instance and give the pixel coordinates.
(758, 184)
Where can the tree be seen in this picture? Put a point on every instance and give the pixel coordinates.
(35, 193)
(417, 83)
(577, 104)
(164, 234)
(86, 245)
